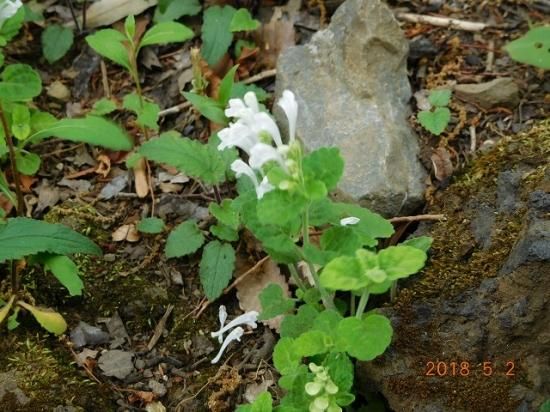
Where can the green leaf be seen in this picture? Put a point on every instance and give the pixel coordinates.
(401, 261)
(262, 403)
(274, 303)
(201, 161)
(340, 239)
(151, 225)
(371, 225)
(208, 107)
(340, 370)
(243, 21)
(293, 326)
(65, 270)
(185, 239)
(130, 26)
(10, 27)
(4, 310)
(285, 358)
(103, 106)
(56, 42)
(216, 36)
(311, 343)
(91, 129)
(532, 48)
(216, 268)
(21, 121)
(326, 165)
(19, 82)
(27, 163)
(366, 338)
(21, 237)
(440, 98)
(226, 85)
(109, 44)
(41, 120)
(239, 89)
(343, 273)
(327, 322)
(279, 207)
(435, 122)
(169, 10)
(166, 32)
(51, 321)
(279, 246)
(224, 232)
(147, 115)
(225, 213)
(5, 189)
(545, 407)
(422, 242)
(12, 320)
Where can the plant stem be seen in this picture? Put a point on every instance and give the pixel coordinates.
(20, 204)
(362, 304)
(393, 291)
(296, 277)
(352, 303)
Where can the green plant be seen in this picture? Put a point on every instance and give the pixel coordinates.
(532, 48)
(56, 42)
(12, 16)
(436, 119)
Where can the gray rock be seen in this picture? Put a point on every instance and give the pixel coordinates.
(8, 384)
(498, 92)
(352, 90)
(116, 363)
(158, 388)
(85, 334)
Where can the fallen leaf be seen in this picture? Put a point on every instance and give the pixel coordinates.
(273, 37)
(248, 291)
(104, 165)
(82, 357)
(441, 161)
(140, 178)
(116, 363)
(126, 232)
(105, 12)
(47, 196)
(141, 396)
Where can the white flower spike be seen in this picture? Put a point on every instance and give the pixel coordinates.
(263, 153)
(349, 221)
(235, 334)
(288, 103)
(237, 135)
(241, 168)
(248, 318)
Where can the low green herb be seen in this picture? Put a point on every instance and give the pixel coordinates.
(436, 119)
(532, 48)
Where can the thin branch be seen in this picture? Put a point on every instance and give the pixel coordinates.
(416, 218)
(442, 21)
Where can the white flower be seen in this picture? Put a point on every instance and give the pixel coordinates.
(252, 101)
(262, 122)
(237, 135)
(289, 105)
(7, 9)
(263, 153)
(235, 334)
(244, 109)
(248, 318)
(349, 221)
(241, 168)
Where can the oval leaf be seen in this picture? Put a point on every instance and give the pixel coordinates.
(150, 225)
(184, 239)
(51, 321)
(166, 32)
(366, 338)
(216, 268)
(19, 83)
(66, 271)
(56, 42)
(108, 43)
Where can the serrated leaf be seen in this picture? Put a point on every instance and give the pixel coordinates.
(340, 239)
(216, 268)
(435, 122)
(109, 43)
(21, 237)
(91, 129)
(274, 303)
(56, 42)
(440, 98)
(225, 213)
(262, 403)
(27, 163)
(401, 261)
(243, 21)
(207, 107)
(343, 273)
(216, 36)
(51, 321)
(168, 10)
(279, 207)
(166, 32)
(532, 48)
(302, 321)
(224, 232)
(327, 322)
(193, 158)
(65, 270)
(147, 115)
(4, 310)
(185, 239)
(285, 358)
(366, 338)
(311, 343)
(340, 369)
(103, 106)
(19, 82)
(325, 164)
(151, 225)
(20, 121)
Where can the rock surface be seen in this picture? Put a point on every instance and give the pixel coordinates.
(498, 92)
(352, 89)
(483, 300)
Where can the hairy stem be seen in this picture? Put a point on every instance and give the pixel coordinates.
(362, 304)
(9, 140)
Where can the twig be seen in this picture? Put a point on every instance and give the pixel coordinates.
(416, 218)
(104, 79)
(473, 139)
(441, 21)
(159, 328)
(73, 15)
(490, 56)
(175, 109)
(234, 284)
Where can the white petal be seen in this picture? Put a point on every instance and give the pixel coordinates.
(264, 123)
(236, 108)
(349, 221)
(252, 102)
(237, 135)
(235, 334)
(8, 9)
(241, 168)
(263, 153)
(222, 315)
(289, 105)
(264, 187)
(248, 318)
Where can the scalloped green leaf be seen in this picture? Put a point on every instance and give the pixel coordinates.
(19, 82)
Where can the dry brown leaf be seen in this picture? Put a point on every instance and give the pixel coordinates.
(103, 165)
(140, 178)
(273, 38)
(105, 12)
(141, 396)
(441, 160)
(26, 182)
(248, 291)
(126, 232)
(5, 204)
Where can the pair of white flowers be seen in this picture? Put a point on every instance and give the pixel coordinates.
(253, 131)
(8, 8)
